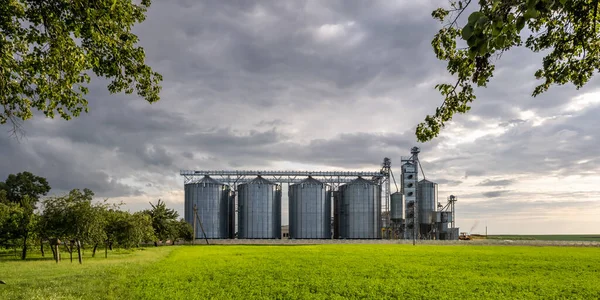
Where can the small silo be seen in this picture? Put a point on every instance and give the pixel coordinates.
(212, 200)
(360, 210)
(259, 210)
(427, 200)
(309, 210)
(397, 207)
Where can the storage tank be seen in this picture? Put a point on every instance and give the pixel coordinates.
(259, 210)
(360, 210)
(397, 206)
(212, 199)
(427, 201)
(309, 210)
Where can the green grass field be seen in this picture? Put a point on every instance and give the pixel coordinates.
(566, 237)
(313, 271)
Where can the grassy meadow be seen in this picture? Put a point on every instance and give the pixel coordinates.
(313, 271)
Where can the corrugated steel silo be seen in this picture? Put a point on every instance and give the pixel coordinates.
(427, 200)
(360, 210)
(214, 211)
(309, 210)
(259, 210)
(397, 206)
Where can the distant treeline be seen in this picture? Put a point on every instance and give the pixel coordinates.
(72, 221)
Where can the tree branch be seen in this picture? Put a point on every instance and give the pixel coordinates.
(460, 13)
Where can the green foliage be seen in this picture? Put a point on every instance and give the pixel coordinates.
(49, 51)
(25, 190)
(74, 217)
(567, 29)
(128, 230)
(11, 216)
(316, 271)
(164, 221)
(25, 185)
(185, 231)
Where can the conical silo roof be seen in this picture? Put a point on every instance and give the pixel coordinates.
(426, 181)
(260, 180)
(310, 181)
(360, 180)
(208, 180)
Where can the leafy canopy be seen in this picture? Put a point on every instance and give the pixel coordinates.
(567, 29)
(49, 49)
(24, 188)
(164, 221)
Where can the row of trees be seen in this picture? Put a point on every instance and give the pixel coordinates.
(75, 221)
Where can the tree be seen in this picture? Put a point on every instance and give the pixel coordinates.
(75, 218)
(11, 215)
(164, 221)
(185, 231)
(24, 189)
(49, 49)
(566, 29)
(128, 230)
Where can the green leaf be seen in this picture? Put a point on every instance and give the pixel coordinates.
(520, 23)
(531, 13)
(467, 32)
(472, 41)
(475, 16)
(500, 42)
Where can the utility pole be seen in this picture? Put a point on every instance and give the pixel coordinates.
(194, 221)
(201, 227)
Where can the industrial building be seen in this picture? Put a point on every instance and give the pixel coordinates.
(322, 205)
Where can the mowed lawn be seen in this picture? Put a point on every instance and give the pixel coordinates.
(314, 271)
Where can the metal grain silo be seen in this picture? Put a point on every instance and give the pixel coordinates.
(360, 210)
(309, 210)
(259, 210)
(397, 206)
(427, 201)
(212, 200)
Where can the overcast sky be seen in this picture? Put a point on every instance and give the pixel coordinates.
(333, 85)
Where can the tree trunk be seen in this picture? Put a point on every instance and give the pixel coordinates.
(42, 246)
(57, 253)
(94, 251)
(24, 254)
(79, 251)
(110, 246)
(155, 244)
(106, 250)
(53, 252)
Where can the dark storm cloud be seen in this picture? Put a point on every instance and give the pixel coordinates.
(57, 164)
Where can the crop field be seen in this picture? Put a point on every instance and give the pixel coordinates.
(313, 271)
(566, 237)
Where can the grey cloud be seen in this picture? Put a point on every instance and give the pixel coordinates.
(271, 123)
(512, 122)
(187, 155)
(448, 182)
(494, 194)
(474, 172)
(63, 171)
(249, 84)
(501, 182)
